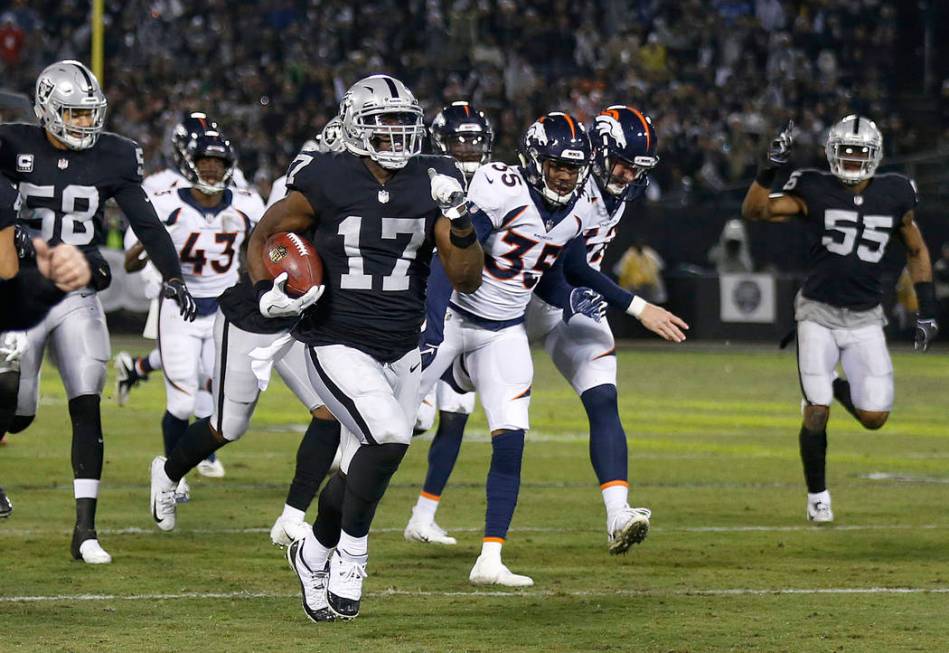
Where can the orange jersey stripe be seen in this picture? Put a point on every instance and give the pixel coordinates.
(614, 484)
(498, 540)
(432, 497)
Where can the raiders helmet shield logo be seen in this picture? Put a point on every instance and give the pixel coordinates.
(277, 254)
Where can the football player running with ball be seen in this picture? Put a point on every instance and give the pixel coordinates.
(851, 214)
(65, 170)
(375, 213)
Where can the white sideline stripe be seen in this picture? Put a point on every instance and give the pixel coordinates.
(489, 594)
(136, 530)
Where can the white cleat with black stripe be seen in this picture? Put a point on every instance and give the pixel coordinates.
(312, 584)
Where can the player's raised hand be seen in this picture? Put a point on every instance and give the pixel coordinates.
(448, 195)
(926, 330)
(663, 323)
(779, 150)
(277, 303)
(177, 290)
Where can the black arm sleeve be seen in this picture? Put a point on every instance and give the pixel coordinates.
(32, 294)
(578, 273)
(149, 230)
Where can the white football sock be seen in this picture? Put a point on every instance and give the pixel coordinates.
(354, 549)
(491, 549)
(425, 508)
(314, 554)
(616, 498)
(154, 359)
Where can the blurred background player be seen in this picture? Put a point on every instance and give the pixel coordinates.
(851, 214)
(465, 134)
(208, 222)
(172, 176)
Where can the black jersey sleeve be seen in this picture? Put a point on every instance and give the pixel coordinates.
(802, 184)
(141, 215)
(909, 195)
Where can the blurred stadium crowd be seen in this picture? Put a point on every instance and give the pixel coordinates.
(715, 75)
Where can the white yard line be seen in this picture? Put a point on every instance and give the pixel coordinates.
(136, 530)
(740, 591)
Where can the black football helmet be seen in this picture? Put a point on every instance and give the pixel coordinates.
(194, 124)
(463, 133)
(206, 145)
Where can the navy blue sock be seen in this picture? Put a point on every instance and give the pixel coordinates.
(608, 451)
(444, 451)
(172, 429)
(504, 482)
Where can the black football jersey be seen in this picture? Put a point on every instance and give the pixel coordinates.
(63, 192)
(850, 234)
(376, 243)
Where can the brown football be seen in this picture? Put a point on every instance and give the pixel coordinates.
(291, 253)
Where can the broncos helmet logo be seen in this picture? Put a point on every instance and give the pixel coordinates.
(537, 133)
(609, 126)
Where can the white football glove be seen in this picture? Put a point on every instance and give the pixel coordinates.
(448, 195)
(276, 303)
(12, 346)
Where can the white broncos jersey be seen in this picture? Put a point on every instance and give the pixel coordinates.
(603, 230)
(208, 240)
(171, 178)
(522, 246)
(278, 190)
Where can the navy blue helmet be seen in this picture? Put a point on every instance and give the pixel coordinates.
(463, 133)
(622, 133)
(562, 140)
(185, 131)
(208, 144)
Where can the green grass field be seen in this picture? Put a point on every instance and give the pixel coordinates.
(730, 563)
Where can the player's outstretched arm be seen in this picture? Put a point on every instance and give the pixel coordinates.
(149, 230)
(921, 272)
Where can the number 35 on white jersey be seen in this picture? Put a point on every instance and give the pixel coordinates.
(207, 240)
(522, 246)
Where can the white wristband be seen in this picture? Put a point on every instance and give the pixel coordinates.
(637, 306)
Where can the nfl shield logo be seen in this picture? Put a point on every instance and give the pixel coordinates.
(858, 200)
(63, 164)
(383, 197)
(548, 225)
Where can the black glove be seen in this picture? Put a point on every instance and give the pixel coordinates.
(779, 151)
(24, 244)
(177, 290)
(926, 330)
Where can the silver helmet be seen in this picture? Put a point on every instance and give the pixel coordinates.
(377, 111)
(331, 138)
(61, 89)
(854, 149)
